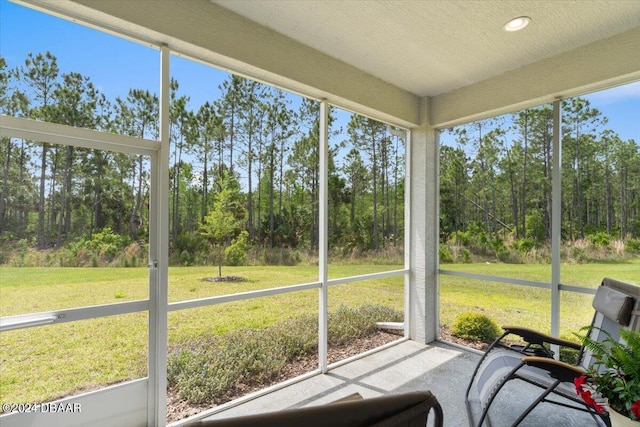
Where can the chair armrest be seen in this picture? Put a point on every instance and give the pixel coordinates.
(535, 337)
(560, 370)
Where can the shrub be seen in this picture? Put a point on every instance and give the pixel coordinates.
(294, 337)
(497, 243)
(192, 242)
(600, 239)
(633, 245)
(466, 255)
(207, 369)
(107, 243)
(211, 367)
(509, 255)
(347, 323)
(579, 254)
(186, 258)
(535, 226)
(475, 327)
(504, 254)
(445, 255)
(133, 260)
(460, 238)
(236, 253)
(524, 245)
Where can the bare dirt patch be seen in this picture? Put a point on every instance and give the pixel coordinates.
(446, 335)
(224, 279)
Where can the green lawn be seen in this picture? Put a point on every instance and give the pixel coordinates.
(43, 362)
(525, 305)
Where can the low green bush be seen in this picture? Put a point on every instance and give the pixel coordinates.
(208, 369)
(236, 253)
(186, 258)
(579, 255)
(475, 327)
(633, 245)
(445, 255)
(524, 245)
(106, 242)
(346, 323)
(600, 239)
(506, 255)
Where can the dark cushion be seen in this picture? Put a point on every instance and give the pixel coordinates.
(406, 409)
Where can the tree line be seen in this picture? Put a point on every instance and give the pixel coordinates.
(244, 169)
(248, 159)
(496, 176)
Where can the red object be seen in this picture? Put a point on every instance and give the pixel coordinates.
(635, 409)
(585, 393)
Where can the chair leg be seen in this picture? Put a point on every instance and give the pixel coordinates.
(438, 414)
(484, 356)
(501, 384)
(535, 403)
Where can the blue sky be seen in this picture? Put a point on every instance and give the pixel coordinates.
(115, 65)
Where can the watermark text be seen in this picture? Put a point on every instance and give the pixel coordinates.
(52, 408)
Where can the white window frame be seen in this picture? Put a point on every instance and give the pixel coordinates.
(157, 304)
(554, 285)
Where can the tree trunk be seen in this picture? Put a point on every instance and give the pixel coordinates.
(64, 217)
(5, 184)
(375, 191)
(250, 185)
(41, 200)
(133, 228)
(271, 182)
(523, 196)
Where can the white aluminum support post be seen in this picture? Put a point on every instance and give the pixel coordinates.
(407, 235)
(423, 253)
(159, 259)
(435, 241)
(556, 219)
(323, 238)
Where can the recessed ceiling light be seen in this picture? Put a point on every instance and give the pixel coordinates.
(517, 24)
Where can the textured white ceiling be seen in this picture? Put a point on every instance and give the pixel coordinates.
(433, 47)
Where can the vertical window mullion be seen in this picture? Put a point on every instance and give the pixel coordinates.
(159, 258)
(556, 218)
(407, 235)
(323, 238)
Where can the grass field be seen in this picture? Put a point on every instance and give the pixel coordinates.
(44, 362)
(525, 305)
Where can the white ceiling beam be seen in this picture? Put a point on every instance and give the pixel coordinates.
(600, 65)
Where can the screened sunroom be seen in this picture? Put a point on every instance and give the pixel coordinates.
(461, 154)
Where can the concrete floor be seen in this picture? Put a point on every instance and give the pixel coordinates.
(441, 368)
